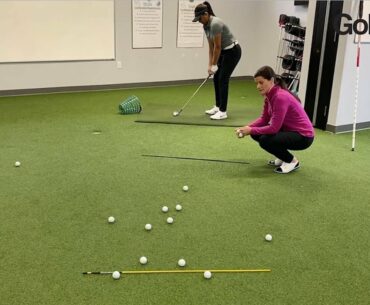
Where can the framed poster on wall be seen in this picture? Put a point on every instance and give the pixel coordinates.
(189, 34)
(147, 24)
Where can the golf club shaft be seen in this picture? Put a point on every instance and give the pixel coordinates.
(196, 91)
(196, 159)
(181, 271)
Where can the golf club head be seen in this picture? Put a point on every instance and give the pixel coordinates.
(176, 113)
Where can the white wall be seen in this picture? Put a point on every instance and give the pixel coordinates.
(344, 83)
(57, 30)
(253, 22)
(264, 42)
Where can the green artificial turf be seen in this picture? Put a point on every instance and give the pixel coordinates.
(54, 207)
(244, 105)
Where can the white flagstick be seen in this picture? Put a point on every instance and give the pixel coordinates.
(356, 87)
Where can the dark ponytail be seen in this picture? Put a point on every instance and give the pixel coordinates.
(280, 82)
(209, 8)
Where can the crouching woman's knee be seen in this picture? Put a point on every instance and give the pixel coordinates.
(265, 141)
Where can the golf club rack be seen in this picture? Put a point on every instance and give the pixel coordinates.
(290, 51)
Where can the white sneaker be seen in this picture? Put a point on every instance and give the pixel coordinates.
(286, 168)
(219, 116)
(213, 110)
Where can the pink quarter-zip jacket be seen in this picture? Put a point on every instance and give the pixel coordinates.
(282, 112)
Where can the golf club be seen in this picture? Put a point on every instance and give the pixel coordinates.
(177, 113)
(196, 159)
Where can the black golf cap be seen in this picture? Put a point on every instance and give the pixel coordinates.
(199, 11)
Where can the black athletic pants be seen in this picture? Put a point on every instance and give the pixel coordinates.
(278, 144)
(226, 65)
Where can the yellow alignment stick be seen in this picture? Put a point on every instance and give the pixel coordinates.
(181, 271)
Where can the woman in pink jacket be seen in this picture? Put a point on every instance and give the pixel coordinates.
(283, 125)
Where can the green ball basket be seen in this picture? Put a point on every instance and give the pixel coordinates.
(130, 105)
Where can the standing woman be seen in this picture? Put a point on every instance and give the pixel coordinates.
(283, 125)
(224, 55)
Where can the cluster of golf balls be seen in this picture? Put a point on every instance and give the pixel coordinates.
(148, 227)
(181, 262)
(165, 209)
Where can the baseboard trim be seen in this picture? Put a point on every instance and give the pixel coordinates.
(34, 91)
(347, 128)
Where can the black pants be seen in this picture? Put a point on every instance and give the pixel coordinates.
(278, 144)
(226, 65)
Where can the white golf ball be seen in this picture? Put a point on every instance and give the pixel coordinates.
(175, 113)
(185, 188)
(240, 135)
(169, 220)
(111, 219)
(268, 237)
(165, 209)
(143, 260)
(17, 164)
(207, 274)
(116, 275)
(178, 207)
(148, 227)
(181, 262)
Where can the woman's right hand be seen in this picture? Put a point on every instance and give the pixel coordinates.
(243, 131)
(239, 133)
